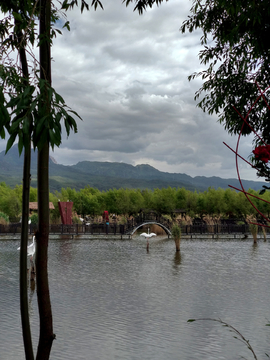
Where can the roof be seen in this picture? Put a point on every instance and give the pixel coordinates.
(34, 206)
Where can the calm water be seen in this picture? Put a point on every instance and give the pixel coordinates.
(113, 300)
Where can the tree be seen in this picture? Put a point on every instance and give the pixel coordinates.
(22, 108)
(18, 83)
(164, 200)
(36, 111)
(236, 40)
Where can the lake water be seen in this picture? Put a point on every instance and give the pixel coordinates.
(113, 300)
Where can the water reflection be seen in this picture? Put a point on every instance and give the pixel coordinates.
(254, 248)
(65, 251)
(113, 300)
(177, 259)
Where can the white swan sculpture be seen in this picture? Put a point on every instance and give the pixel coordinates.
(31, 249)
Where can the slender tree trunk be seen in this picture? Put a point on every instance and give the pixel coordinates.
(46, 335)
(26, 330)
(177, 243)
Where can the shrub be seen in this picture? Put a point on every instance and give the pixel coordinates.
(4, 219)
(34, 219)
(76, 220)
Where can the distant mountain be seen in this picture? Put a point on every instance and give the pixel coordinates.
(108, 175)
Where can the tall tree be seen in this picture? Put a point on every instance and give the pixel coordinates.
(37, 120)
(25, 121)
(46, 336)
(12, 81)
(236, 39)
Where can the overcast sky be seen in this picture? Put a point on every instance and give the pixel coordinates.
(127, 77)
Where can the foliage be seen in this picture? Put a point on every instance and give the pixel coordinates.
(22, 106)
(11, 205)
(76, 220)
(90, 201)
(34, 219)
(176, 231)
(142, 5)
(4, 217)
(235, 36)
(31, 110)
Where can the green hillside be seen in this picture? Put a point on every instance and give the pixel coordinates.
(109, 175)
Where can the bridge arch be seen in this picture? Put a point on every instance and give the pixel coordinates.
(134, 229)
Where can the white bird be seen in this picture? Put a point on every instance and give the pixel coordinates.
(31, 249)
(148, 235)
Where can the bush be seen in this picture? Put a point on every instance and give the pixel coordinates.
(34, 219)
(176, 231)
(4, 219)
(76, 220)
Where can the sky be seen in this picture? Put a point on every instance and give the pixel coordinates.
(126, 75)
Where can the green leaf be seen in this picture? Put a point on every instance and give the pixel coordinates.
(10, 142)
(59, 31)
(2, 133)
(15, 124)
(17, 16)
(58, 98)
(41, 125)
(191, 320)
(75, 113)
(66, 25)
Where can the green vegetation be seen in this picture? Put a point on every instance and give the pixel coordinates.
(34, 219)
(176, 233)
(3, 218)
(235, 56)
(127, 202)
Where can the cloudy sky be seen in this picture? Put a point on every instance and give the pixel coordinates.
(127, 77)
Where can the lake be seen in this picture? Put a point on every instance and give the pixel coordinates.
(113, 300)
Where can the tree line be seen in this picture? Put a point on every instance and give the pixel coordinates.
(90, 201)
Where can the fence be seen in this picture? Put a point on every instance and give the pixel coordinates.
(115, 229)
(215, 229)
(75, 229)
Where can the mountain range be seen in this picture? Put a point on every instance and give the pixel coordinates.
(109, 175)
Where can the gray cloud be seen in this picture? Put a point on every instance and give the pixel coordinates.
(126, 75)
